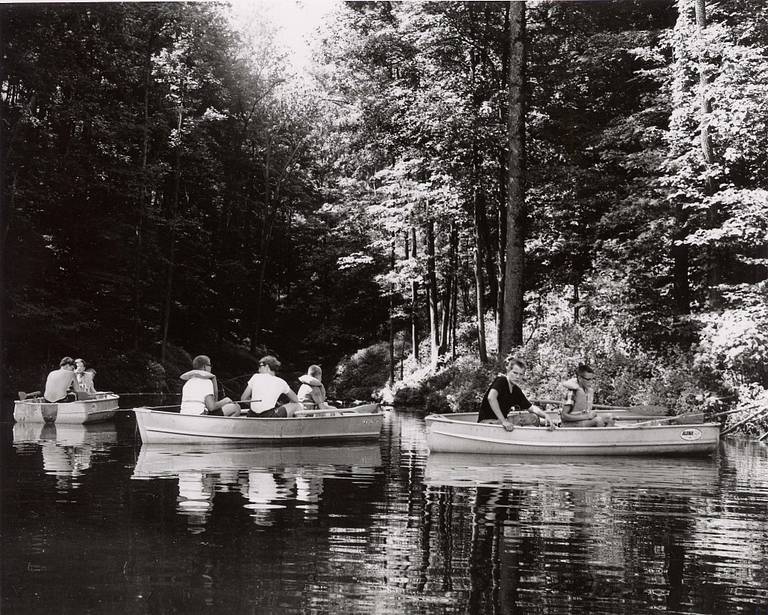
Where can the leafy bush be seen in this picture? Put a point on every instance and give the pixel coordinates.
(362, 375)
(409, 396)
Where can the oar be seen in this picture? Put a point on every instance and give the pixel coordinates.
(645, 409)
(760, 413)
(674, 418)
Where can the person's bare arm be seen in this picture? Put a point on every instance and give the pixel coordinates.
(246, 396)
(493, 402)
(211, 404)
(566, 412)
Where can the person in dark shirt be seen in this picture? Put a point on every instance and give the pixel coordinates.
(504, 394)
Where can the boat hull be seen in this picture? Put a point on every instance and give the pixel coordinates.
(162, 427)
(462, 434)
(99, 409)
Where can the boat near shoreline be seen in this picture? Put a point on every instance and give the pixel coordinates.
(96, 409)
(158, 426)
(461, 433)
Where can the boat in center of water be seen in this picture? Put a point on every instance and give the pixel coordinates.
(158, 426)
(461, 433)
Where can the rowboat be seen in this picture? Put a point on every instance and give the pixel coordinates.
(168, 427)
(100, 407)
(461, 433)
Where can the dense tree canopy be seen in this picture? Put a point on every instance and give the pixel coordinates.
(168, 184)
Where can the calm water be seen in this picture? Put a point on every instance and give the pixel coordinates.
(94, 522)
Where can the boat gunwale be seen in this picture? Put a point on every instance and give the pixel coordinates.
(648, 424)
(339, 413)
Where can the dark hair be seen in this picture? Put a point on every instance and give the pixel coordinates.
(273, 363)
(200, 361)
(584, 369)
(516, 363)
(66, 361)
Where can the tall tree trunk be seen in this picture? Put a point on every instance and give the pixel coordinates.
(479, 285)
(172, 241)
(501, 215)
(680, 278)
(434, 310)
(705, 137)
(450, 282)
(414, 303)
(392, 317)
(142, 200)
(512, 319)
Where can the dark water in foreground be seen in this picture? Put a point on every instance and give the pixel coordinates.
(94, 522)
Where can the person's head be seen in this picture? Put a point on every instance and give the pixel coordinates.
(585, 375)
(516, 371)
(315, 372)
(67, 363)
(201, 362)
(268, 363)
(79, 365)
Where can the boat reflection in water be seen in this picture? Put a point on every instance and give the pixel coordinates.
(268, 477)
(628, 472)
(525, 513)
(68, 449)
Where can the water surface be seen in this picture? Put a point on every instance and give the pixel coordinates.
(95, 522)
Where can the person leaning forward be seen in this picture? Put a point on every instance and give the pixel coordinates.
(504, 394)
(198, 395)
(59, 381)
(577, 410)
(265, 388)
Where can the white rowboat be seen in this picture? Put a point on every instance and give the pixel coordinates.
(163, 427)
(461, 433)
(102, 407)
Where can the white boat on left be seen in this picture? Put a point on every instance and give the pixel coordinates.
(100, 407)
(164, 427)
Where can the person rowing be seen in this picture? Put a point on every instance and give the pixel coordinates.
(504, 394)
(265, 388)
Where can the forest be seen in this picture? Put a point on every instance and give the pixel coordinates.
(446, 185)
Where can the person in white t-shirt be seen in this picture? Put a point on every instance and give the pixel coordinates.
(198, 395)
(264, 389)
